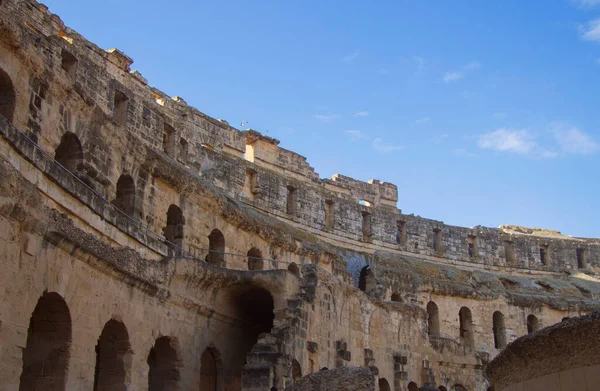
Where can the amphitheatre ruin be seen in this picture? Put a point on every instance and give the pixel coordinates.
(148, 246)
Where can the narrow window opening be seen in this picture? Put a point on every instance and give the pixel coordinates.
(401, 232)
(544, 255)
(466, 325)
(121, 103)
(69, 152)
(329, 213)
(509, 252)
(113, 357)
(367, 226)
(292, 198)
(255, 261)
(208, 371)
(216, 247)
(251, 185)
(69, 63)
(581, 261)
(294, 269)
(7, 96)
(437, 241)
(125, 199)
(164, 366)
(433, 319)
(168, 141)
(173, 232)
(183, 151)
(396, 297)
(473, 243)
(533, 324)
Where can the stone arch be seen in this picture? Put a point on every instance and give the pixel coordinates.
(125, 197)
(384, 385)
(433, 319)
(294, 269)
(397, 297)
(362, 280)
(499, 330)
(8, 97)
(458, 387)
(412, 386)
(164, 364)
(442, 388)
(216, 247)
(296, 370)
(255, 261)
(69, 152)
(173, 231)
(533, 324)
(211, 367)
(46, 354)
(466, 325)
(113, 358)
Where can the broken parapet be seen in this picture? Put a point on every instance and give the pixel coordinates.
(372, 193)
(339, 379)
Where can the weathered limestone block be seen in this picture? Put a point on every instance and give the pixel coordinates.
(339, 379)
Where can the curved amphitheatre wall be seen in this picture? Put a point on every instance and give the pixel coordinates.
(137, 167)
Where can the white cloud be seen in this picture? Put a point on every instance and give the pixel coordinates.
(362, 114)
(453, 76)
(585, 3)
(450, 77)
(327, 117)
(351, 57)
(472, 66)
(591, 32)
(508, 140)
(420, 63)
(422, 121)
(381, 147)
(574, 141)
(356, 135)
(440, 138)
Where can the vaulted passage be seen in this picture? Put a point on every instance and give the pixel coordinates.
(384, 385)
(216, 247)
(433, 319)
(173, 232)
(533, 324)
(255, 261)
(164, 366)
(7, 96)
(499, 330)
(46, 355)
(69, 152)
(209, 372)
(466, 325)
(113, 358)
(125, 199)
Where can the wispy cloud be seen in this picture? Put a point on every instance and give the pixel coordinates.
(421, 121)
(327, 117)
(351, 57)
(380, 146)
(566, 140)
(420, 63)
(362, 114)
(450, 77)
(356, 135)
(438, 139)
(573, 141)
(453, 76)
(591, 31)
(585, 3)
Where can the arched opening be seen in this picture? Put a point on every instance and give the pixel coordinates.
(296, 370)
(69, 152)
(173, 232)
(458, 387)
(7, 96)
(113, 358)
(46, 354)
(533, 324)
(323, 369)
(209, 371)
(499, 330)
(412, 386)
(396, 297)
(216, 247)
(164, 366)
(384, 385)
(362, 279)
(255, 261)
(252, 315)
(294, 269)
(442, 388)
(125, 199)
(466, 325)
(433, 319)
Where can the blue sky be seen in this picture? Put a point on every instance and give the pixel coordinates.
(481, 112)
